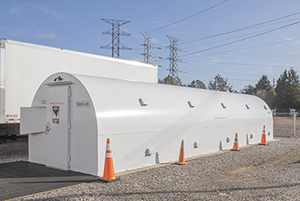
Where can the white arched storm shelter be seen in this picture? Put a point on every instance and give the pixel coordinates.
(72, 116)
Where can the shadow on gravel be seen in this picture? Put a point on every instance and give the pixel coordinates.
(24, 169)
(22, 178)
(296, 162)
(105, 195)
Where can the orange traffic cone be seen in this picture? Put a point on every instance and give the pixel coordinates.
(263, 137)
(236, 143)
(181, 155)
(109, 172)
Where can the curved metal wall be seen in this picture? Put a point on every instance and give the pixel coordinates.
(146, 122)
(168, 114)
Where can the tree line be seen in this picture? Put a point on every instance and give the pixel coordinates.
(285, 94)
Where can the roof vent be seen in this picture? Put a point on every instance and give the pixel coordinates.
(142, 102)
(191, 104)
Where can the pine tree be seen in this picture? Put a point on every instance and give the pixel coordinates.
(197, 84)
(288, 90)
(265, 91)
(249, 89)
(220, 84)
(171, 81)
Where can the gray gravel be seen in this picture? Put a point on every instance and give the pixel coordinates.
(255, 173)
(11, 151)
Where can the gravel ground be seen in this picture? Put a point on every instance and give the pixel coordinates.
(14, 150)
(254, 173)
(284, 126)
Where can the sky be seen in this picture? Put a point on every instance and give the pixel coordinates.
(239, 39)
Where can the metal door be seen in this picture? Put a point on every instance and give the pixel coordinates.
(58, 127)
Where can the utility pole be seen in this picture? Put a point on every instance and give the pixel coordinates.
(147, 47)
(173, 58)
(115, 32)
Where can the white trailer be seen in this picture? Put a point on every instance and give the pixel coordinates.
(23, 67)
(72, 116)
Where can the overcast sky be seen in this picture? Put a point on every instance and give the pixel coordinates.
(239, 39)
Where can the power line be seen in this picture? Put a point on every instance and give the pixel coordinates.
(147, 47)
(243, 39)
(245, 64)
(227, 39)
(242, 10)
(253, 47)
(115, 32)
(241, 29)
(234, 72)
(174, 59)
(207, 9)
(250, 54)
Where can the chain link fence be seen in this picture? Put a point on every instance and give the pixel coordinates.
(286, 124)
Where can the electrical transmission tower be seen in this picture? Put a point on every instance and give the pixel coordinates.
(174, 59)
(116, 32)
(147, 47)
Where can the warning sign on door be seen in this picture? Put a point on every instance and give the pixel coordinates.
(55, 114)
